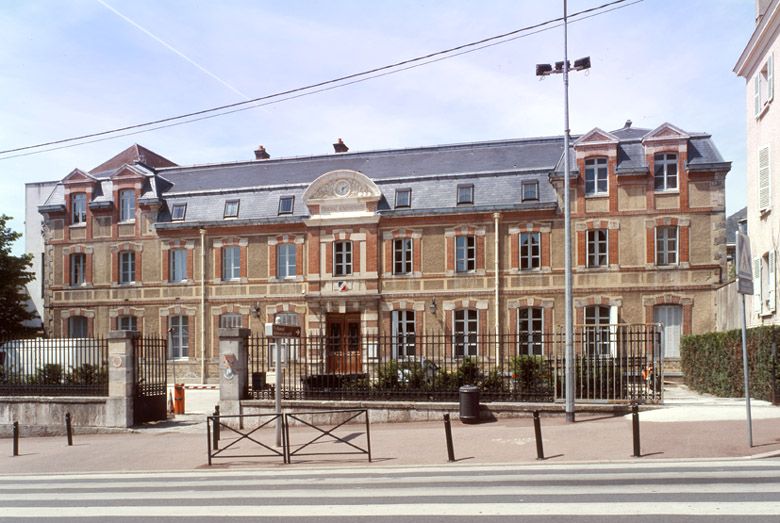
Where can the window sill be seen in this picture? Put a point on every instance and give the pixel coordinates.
(597, 195)
(126, 222)
(179, 282)
(80, 225)
(666, 191)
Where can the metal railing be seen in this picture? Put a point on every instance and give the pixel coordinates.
(54, 367)
(610, 363)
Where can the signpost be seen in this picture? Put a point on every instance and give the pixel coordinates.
(745, 286)
(274, 332)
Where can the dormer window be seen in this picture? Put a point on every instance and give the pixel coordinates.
(465, 194)
(666, 172)
(231, 209)
(78, 208)
(178, 211)
(126, 205)
(530, 190)
(596, 177)
(286, 204)
(403, 198)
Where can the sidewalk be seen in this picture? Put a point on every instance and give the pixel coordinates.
(688, 426)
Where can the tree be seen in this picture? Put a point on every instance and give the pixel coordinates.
(15, 273)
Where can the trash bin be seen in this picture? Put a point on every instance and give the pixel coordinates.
(178, 398)
(469, 404)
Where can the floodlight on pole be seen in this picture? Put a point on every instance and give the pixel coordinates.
(543, 70)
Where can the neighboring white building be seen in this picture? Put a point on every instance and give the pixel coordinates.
(756, 65)
(35, 194)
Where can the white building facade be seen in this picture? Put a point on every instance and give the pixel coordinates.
(756, 65)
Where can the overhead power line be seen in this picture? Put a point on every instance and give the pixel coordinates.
(316, 87)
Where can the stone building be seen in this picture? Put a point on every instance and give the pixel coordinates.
(461, 238)
(756, 66)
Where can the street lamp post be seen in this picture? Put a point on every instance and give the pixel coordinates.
(543, 70)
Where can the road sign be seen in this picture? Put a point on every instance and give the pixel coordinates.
(744, 266)
(282, 331)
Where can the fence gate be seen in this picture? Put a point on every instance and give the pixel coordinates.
(149, 379)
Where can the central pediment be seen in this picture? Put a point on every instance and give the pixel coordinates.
(341, 185)
(342, 195)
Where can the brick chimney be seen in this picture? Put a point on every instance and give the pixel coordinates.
(340, 146)
(261, 153)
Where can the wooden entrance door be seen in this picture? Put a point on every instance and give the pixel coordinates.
(343, 345)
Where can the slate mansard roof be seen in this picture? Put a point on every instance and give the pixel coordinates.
(496, 169)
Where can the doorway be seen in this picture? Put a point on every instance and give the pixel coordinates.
(343, 346)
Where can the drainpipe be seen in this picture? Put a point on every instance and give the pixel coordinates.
(203, 305)
(496, 217)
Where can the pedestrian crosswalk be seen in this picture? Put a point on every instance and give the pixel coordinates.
(715, 489)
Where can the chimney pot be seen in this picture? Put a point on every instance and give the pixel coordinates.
(628, 124)
(261, 153)
(340, 146)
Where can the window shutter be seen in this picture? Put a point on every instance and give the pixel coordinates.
(770, 299)
(613, 330)
(757, 286)
(770, 73)
(763, 178)
(757, 94)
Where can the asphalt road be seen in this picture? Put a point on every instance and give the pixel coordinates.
(693, 491)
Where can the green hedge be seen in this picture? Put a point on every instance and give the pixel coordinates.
(712, 362)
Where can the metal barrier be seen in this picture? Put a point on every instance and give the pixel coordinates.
(329, 432)
(243, 435)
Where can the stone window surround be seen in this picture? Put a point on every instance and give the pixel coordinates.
(388, 238)
(166, 247)
(273, 243)
(613, 230)
(449, 241)
(218, 258)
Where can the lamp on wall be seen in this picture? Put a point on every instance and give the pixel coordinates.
(432, 306)
(256, 310)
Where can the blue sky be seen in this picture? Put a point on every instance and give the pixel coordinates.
(69, 68)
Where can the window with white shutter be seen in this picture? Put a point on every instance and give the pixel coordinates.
(771, 282)
(764, 174)
(757, 298)
(763, 87)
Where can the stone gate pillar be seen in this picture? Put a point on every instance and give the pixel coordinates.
(119, 406)
(233, 369)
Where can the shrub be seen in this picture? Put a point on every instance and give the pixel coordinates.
(49, 374)
(87, 374)
(712, 362)
(531, 374)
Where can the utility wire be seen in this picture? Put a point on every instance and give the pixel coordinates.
(320, 86)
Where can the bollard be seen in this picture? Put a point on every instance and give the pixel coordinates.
(635, 423)
(215, 434)
(69, 429)
(16, 438)
(448, 435)
(538, 433)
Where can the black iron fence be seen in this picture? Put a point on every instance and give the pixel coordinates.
(54, 367)
(612, 363)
